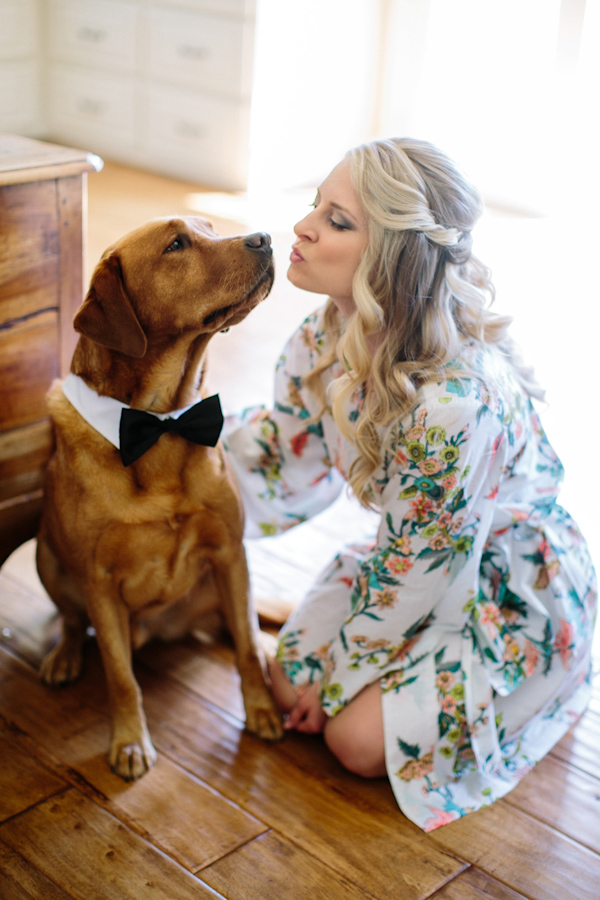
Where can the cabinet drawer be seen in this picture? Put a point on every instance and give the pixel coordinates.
(96, 33)
(18, 28)
(24, 453)
(200, 138)
(88, 106)
(20, 107)
(28, 365)
(200, 51)
(29, 261)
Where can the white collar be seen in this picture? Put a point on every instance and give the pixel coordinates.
(103, 413)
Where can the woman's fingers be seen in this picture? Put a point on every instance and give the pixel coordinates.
(307, 714)
(313, 722)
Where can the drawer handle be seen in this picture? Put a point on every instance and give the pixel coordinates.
(189, 51)
(93, 35)
(189, 130)
(91, 107)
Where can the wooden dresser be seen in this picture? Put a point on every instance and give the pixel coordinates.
(43, 192)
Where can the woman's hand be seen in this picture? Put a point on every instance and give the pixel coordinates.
(307, 713)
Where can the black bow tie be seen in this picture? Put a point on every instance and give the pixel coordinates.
(140, 430)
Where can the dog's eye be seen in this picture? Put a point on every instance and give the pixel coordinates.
(179, 243)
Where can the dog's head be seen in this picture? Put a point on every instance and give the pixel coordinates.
(170, 277)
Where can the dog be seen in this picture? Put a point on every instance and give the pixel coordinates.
(150, 547)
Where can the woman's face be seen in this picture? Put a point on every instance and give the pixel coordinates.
(331, 241)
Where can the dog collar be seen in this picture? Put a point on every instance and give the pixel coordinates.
(103, 413)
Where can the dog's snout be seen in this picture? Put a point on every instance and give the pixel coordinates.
(259, 241)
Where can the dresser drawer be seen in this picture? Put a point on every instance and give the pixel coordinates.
(90, 107)
(29, 261)
(28, 364)
(95, 32)
(24, 453)
(200, 51)
(199, 138)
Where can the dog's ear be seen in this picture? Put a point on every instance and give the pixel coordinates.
(107, 316)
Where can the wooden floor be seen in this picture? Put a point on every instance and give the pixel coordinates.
(223, 814)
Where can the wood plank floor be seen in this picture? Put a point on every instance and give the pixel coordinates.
(223, 814)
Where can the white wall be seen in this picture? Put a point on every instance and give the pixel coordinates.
(315, 67)
(479, 78)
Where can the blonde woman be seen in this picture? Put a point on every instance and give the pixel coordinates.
(454, 652)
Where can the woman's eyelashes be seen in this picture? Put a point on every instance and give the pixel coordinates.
(335, 223)
(339, 226)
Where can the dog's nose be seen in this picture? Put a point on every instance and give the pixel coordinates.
(259, 241)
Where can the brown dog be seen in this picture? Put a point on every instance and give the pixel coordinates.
(151, 548)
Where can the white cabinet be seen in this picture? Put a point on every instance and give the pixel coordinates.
(201, 52)
(91, 89)
(95, 34)
(93, 109)
(162, 84)
(196, 137)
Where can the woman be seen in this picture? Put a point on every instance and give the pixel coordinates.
(454, 652)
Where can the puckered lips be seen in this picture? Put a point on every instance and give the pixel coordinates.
(295, 255)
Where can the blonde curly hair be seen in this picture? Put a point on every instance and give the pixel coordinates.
(417, 283)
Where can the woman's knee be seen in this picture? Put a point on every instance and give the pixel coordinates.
(355, 736)
(358, 752)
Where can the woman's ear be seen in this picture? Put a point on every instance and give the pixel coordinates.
(107, 316)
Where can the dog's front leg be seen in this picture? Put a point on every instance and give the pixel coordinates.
(63, 663)
(233, 582)
(131, 753)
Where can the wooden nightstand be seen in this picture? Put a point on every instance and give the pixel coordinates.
(43, 192)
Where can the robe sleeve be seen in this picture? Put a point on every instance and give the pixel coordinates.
(280, 457)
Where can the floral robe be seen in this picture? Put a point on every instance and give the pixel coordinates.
(474, 606)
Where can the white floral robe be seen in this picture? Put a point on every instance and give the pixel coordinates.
(473, 608)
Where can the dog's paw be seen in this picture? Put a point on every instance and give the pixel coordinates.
(264, 720)
(132, 760)
(61, 666)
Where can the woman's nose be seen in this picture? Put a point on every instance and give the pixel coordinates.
(304, 228)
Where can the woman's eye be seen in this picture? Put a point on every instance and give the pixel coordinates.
(339, 226)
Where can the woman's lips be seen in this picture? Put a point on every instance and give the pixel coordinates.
(295, 256)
